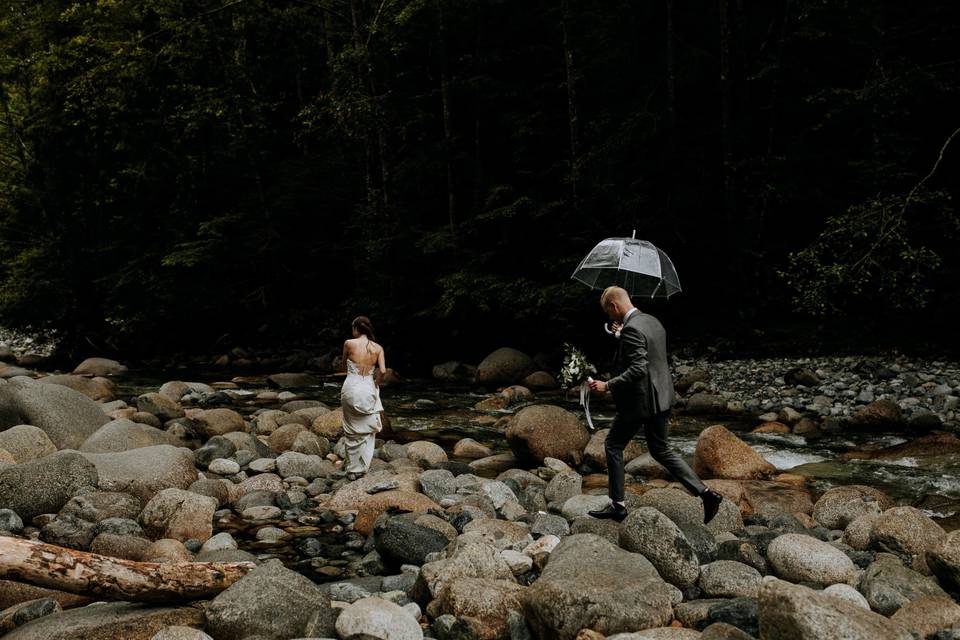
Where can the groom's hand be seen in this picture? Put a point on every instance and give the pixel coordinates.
(598, 385)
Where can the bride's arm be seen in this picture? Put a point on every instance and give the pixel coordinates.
(343, 357)
(381, 367)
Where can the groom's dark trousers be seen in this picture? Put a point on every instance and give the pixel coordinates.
(643, 393)
(655, 429)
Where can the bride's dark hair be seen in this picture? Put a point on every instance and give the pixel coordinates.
(363, 326)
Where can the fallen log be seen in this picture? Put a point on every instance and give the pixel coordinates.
(92, 574)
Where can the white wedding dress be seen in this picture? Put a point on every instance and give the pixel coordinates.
(360, 400)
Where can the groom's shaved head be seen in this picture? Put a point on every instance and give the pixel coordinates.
(614, 294)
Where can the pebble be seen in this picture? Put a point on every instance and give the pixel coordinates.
(224, 467)
(846, 385)
(261, 513)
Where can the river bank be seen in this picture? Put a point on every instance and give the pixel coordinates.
(474, 510)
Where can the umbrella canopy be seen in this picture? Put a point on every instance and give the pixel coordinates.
(636, 265)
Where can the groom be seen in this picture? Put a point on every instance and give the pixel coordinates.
(643, 393)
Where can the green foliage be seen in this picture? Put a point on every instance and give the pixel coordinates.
(171, 172)
(866, 258)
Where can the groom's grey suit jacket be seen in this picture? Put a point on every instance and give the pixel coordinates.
(642, 385)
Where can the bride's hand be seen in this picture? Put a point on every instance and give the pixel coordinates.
(616, 326)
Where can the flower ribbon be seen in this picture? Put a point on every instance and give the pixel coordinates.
(585, 402)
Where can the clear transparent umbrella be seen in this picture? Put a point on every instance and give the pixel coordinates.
(636, 265)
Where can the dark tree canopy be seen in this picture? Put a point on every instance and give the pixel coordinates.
(182, 175)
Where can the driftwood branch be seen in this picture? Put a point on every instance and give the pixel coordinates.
(91, 574)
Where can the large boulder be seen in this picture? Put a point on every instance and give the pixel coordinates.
(218, 422)
(271, 601)
(505, 366)
(878, 414)
(68, 417)
(840, 506)
(721, 454)
(471, 560)
(486, 603)
(794, 612)
(144, 472)
(99, 389)
(328, 425)
(729, 579)
(377, 618)
(590, 583)
(944, 560)
(906, 531)
(179, 515)
(124, 435)
(771, 498)
(26, 442)
(686, 510)
(501, 534)
(400, 541)
(161, 406)
(7, 355)
(100, 367)
(648, 532)
(292, 380)
(45, 485)
(801, 558)
(596, 453)
(108, 621)
(888, 585)
(94, 506)
(352, 495)
(397, 500)
(563, 486)
(426, 453)
(928, 615)
(546, 431)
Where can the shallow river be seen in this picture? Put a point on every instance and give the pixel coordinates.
(932, 484)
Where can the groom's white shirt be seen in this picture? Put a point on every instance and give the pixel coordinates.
(628, 314)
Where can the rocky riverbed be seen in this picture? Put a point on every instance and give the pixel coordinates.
(472, 521)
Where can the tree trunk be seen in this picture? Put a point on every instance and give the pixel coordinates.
(726, 115)
(91, 574)
(447, 117)
(572, 114)
(671, 72)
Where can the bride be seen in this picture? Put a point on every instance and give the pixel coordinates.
(364, 363)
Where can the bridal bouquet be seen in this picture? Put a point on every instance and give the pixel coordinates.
(576, 368)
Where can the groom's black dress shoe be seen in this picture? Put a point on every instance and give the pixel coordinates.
(711, 504)
(612, 511)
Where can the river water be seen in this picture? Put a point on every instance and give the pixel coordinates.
(427, 410)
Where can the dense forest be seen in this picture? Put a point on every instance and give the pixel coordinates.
(190, 176)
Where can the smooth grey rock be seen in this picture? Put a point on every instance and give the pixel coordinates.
(292, 463)
(107, 621)
(378, 618)
(729, 579)
(270, 600)
(563, 486)
(888, 585)
(144, 472)
(45, 485)
(124, 435)
(68, 417)
(793, 612)
(685, 509)
(648, 532)
(401, 542)
(26, 442)
(590, 583)
(849, 594)
(801, 558)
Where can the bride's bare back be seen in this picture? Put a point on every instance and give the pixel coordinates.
(365, 353)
